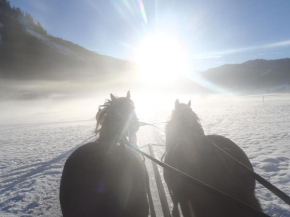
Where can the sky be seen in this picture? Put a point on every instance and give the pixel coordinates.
(213, 33)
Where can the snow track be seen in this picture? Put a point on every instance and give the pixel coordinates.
(32, 155)
(32, 159)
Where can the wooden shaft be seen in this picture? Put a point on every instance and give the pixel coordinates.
(160, 187)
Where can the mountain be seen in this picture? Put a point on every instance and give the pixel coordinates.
(37, 65)
(28, 52)
(254, 76)
(34, 64)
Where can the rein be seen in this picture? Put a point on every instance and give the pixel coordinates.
(135, 123)
(141, 124)
(279, 193)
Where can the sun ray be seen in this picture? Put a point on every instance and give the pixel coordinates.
(143, 12)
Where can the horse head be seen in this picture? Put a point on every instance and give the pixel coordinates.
(185, 119)
(117, 117)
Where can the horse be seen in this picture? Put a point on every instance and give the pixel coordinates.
(106, 178)
(191, 151)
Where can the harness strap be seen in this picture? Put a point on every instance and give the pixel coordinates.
(151, 204)
(175, 211)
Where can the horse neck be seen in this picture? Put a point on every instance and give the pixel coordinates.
(109, 136)
(111, 132)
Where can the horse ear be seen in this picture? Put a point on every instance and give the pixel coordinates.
(128, 94)
(189, 103)
(176, 103)
(112, 97)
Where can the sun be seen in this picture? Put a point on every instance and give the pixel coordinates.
(161, 59)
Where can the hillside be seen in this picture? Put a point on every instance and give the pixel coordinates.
(254, 76)
(28, 52)
(36, 65)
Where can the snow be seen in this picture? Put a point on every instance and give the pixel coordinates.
(33, 152)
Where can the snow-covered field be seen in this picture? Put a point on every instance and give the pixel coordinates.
(34, 149)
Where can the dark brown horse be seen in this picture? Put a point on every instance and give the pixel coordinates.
(191, 151)
(105, 178)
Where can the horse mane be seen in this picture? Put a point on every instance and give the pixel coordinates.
(104, 110)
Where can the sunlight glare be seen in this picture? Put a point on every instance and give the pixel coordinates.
(161, 59)
(152, 106)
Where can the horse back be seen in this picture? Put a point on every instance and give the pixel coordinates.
(231, 148)
(98, 180)
(199, 158)
(229, 169)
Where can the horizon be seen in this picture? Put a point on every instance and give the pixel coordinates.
(213, 34)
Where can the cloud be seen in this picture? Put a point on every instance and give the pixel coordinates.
(220, 54)
(277, 44)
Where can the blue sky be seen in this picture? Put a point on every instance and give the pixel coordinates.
(213, 32)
